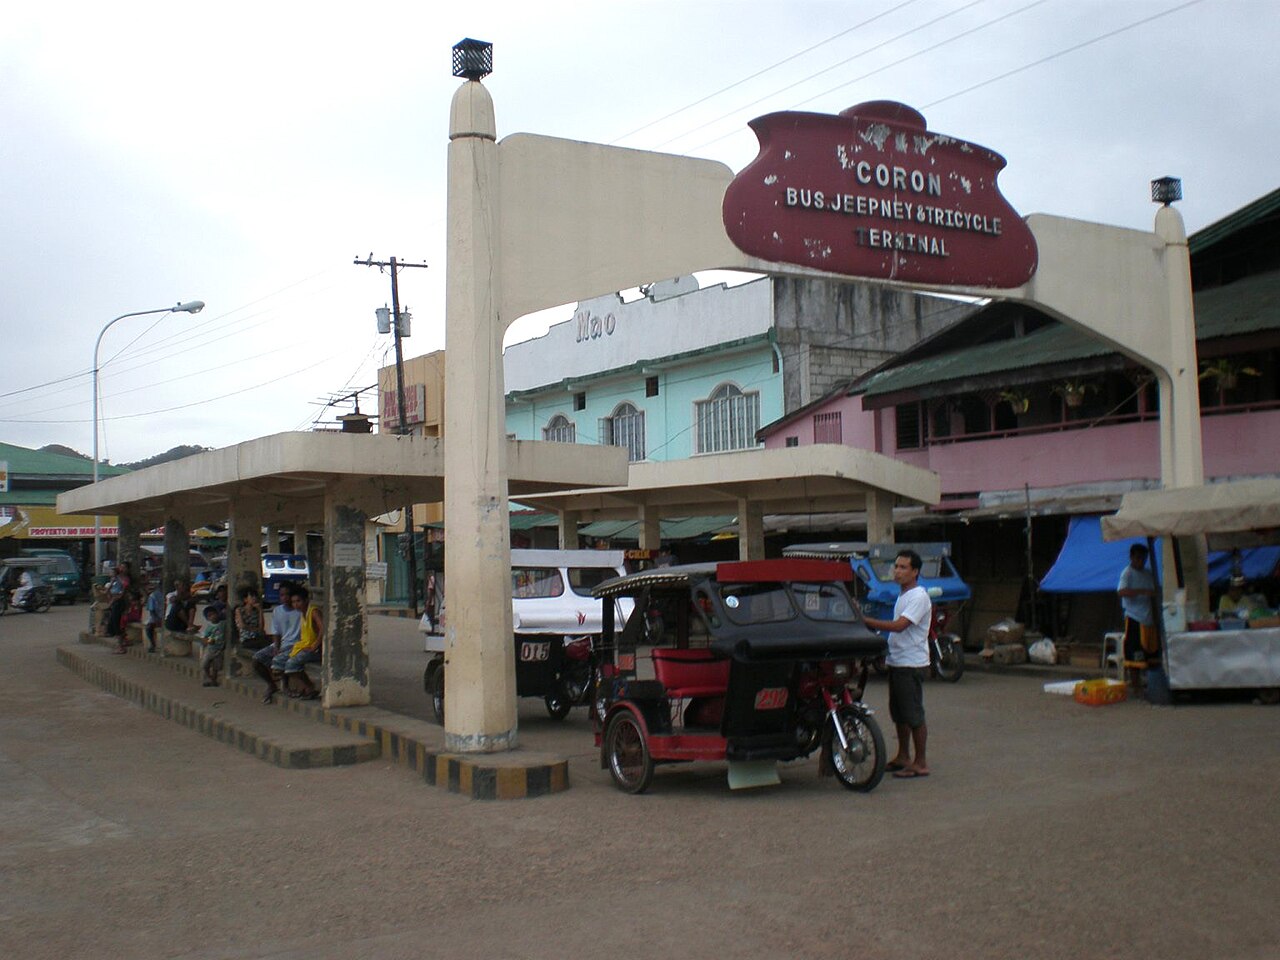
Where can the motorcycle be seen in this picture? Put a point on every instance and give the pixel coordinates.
(946, 653)
(37, 600)
(755, 664)
(560, 670)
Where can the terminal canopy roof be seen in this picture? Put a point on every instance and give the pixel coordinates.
(285, 477)
(796, 480)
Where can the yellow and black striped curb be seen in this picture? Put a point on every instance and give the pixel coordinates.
(507, 776)
(218, 727)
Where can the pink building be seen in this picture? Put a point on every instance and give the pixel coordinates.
(1028, 421)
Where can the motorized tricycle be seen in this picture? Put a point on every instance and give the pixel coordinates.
(556, 623)
(872, 564)
(39, 598)
(751, 663)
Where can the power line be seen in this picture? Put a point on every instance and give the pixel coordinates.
(834, 66)
(760, 73)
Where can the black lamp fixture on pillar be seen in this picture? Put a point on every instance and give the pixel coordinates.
(472, 59)
(1166, 190)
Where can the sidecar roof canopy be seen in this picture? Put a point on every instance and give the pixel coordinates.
(749, 571)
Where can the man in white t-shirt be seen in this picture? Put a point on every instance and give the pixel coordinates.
(908, 662)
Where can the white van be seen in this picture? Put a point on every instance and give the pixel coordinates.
(551, 593)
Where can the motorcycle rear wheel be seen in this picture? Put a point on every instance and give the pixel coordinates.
(861, 767)
(42, 603)
(626, 750)
(948, 665)
(558, 705)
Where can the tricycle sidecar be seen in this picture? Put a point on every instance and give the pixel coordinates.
(750, 663)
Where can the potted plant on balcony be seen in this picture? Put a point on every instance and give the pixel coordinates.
(1073, 392)
(1226, 373)
(1016, 399)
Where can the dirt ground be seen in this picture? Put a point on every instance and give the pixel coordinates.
(1047, 830)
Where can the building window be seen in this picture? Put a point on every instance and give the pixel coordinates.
(580, 401)
(650, 386)
(624, 428)
(907, 421)
(560, 429)
(826, 428)
(792, 441)
(727, 420)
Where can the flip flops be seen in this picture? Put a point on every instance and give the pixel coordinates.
(893, 766)
(907, 773)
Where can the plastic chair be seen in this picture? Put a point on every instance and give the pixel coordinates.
(1113, 654)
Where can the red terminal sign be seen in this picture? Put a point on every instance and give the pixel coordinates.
(872, 193)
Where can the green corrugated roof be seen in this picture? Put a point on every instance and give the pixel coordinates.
(529, 519)
(26, 462)
(1052, 344)
(1248, 215)
(29, 498)
(1246, 306)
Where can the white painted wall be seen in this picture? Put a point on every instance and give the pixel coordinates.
(606, 333)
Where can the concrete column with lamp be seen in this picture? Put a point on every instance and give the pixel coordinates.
(191, 306)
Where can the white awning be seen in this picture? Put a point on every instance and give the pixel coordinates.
(1239, 506)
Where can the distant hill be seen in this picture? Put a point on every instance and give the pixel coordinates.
(174, 453)
(64, 451)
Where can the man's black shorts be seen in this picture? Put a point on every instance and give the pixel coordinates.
(906, 695)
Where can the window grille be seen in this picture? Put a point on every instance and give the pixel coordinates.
(827, 428)
(624, 428)
(560, 429)
(727, 420)
(907, 417)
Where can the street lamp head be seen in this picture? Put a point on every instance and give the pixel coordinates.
(191, 306)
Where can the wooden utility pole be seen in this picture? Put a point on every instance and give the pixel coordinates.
(401, 426)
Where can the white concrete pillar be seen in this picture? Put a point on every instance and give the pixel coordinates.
(128, 531)
(880, 516)
(1181, 451)
(650, 528)
(345, 667)
(568, 530)
(480, 690)
(177, 557)
(750, 530)
(244, 569)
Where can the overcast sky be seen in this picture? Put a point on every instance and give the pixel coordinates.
(245, 153)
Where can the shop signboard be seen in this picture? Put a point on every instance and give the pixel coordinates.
(415, 405)
(873, 193)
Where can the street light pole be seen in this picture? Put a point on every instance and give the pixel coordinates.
(191, 306)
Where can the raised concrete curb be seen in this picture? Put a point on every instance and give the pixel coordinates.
(208, 711)
(413, 743)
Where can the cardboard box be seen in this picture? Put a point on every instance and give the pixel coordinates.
(1084, 655)
(1009, 653)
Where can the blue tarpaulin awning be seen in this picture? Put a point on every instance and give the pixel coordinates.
(1087, 564)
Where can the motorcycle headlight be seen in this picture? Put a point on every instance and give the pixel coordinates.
(841, 671)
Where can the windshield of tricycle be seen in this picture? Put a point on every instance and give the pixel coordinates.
(747, 603)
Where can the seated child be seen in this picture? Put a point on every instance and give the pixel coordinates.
(214, 639)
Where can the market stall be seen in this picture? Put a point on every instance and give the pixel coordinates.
(1242, 514)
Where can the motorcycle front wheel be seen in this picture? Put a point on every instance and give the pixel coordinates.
(627, 752)
(861, 766)
(435, 690)
(947, 661)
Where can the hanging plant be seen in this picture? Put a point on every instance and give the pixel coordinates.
(1226, 372)
(1016, 399)
(1073, 392)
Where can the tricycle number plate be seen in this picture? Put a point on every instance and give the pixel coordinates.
(771, 698)
(531, 652)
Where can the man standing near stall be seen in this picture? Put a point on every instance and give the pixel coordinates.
(1136, 590)
(908, 663)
